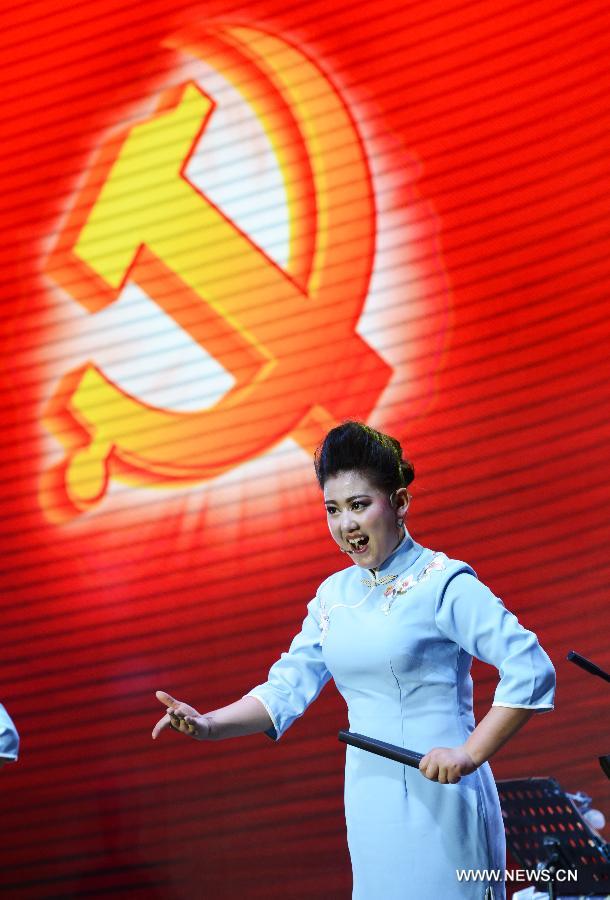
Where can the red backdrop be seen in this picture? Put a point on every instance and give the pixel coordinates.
(455, 153)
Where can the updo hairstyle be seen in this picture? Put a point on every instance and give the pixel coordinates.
(354, 446)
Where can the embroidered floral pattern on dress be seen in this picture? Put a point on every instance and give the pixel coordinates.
(324, 622)
(403, 585)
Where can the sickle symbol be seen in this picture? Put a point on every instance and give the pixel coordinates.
(286, 335)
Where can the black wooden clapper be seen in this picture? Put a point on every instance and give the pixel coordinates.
(390, 751)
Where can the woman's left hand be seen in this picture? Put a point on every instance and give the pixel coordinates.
(446, 764)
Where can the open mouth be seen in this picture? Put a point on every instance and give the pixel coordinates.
(358, 544)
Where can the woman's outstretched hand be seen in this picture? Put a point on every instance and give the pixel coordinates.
(181, 717)
(446, 764)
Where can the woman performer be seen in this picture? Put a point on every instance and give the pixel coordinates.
(397, 632)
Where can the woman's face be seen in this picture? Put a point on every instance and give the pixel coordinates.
(362, 519)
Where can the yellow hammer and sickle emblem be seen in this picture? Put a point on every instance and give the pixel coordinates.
(286, 335)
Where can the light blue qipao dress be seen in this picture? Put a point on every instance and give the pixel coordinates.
(399, 644)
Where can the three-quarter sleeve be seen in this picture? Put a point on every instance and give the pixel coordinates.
(9, 739)
(297, 677)
(469, 614)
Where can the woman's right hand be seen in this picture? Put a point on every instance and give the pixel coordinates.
(181, 717)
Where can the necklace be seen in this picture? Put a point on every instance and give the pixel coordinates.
(385, 579)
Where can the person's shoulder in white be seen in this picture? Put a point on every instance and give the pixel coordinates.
(9, 738)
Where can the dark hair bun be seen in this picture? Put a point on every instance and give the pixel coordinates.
(408, 472)
(356, 446)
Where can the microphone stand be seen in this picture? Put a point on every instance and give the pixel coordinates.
(592, 669)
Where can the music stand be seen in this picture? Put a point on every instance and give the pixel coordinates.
(545, 831)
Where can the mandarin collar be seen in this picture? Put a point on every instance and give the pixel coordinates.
(399, 559)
